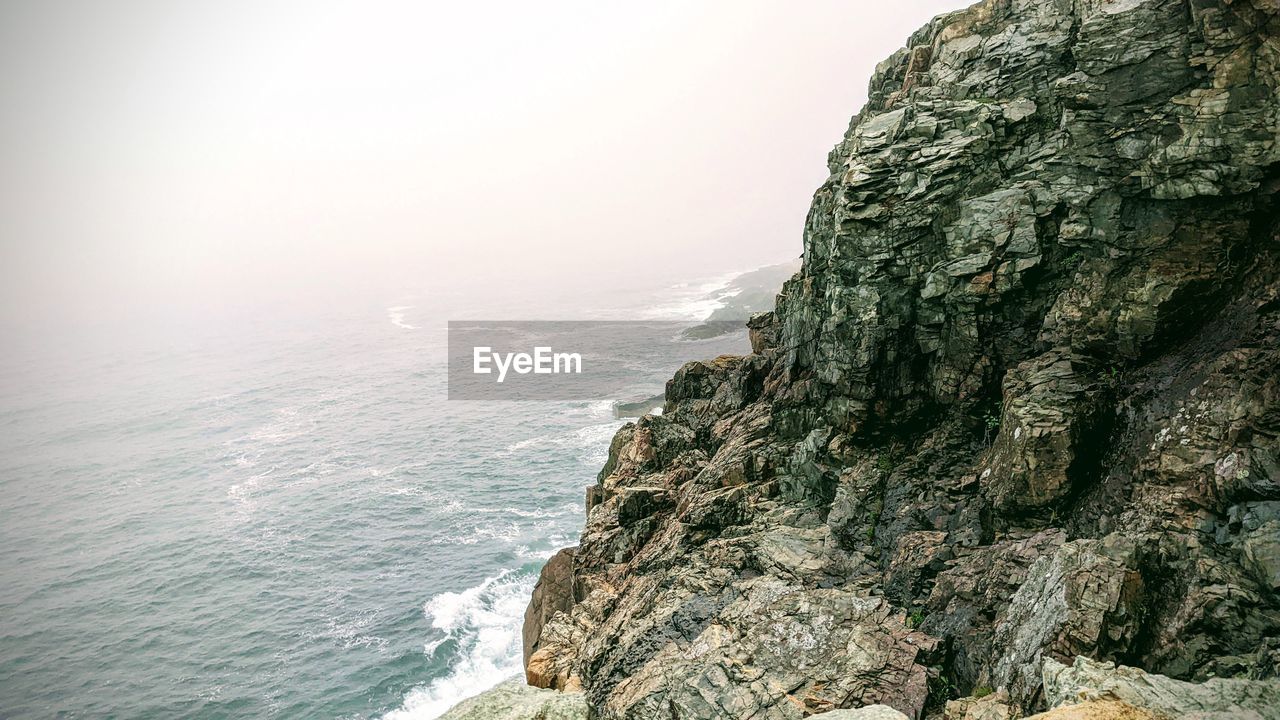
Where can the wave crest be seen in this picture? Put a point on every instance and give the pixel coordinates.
(483, 623)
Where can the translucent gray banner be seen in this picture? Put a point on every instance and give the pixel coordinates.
(623, 361)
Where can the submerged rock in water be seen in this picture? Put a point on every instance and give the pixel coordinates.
(638, 407)
(1020, 404)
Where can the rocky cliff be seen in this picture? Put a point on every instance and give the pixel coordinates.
(1021, 403)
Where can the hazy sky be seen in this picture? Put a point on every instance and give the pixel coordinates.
(238, 154)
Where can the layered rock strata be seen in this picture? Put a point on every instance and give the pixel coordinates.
(1021, 403)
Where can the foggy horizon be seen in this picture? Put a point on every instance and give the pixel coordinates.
(190, 160)
(409, 360)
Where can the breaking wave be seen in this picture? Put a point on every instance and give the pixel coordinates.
(480, 626)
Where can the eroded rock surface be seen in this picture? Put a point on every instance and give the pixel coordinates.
(989, 706)
(867, 712)
(1020, 404)
(1214, 699)
(1096, 710)
(515, 700)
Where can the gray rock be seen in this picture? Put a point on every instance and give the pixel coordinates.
(1084, 598)
(991, 706)
(513, 700)
(1214, 699)
(869, 712)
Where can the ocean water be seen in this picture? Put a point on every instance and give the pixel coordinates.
(279, 520)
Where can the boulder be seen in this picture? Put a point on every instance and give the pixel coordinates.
(1215, 699)
(513, 700)
(868, 712)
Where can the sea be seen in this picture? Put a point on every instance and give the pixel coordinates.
(282, 518)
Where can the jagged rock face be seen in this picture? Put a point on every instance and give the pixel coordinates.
(554, 593)
(1022, 401)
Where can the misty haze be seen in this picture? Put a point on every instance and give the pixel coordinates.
(632, 361)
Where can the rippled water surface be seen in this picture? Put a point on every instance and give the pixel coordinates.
(274, 523)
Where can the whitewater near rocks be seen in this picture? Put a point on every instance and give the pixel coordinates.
(1020, 405)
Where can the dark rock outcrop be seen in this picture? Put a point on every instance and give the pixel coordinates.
(553, 594)
(1022, 402)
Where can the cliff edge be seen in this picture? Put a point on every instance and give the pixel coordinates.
(1021, 403)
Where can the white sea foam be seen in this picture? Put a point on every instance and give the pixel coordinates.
(396, 316)
(693, 302)
(480, 627)
(351, 630)
(242, 493)
(290, 423)
(591, 442)
(484, 623)
(525, 552)
(535, 513)
(601, 409)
